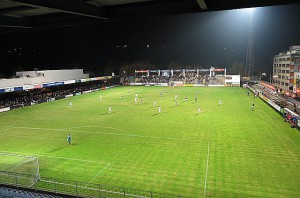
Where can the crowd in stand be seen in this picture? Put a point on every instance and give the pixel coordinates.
(289, 118)
(292, 105)
(21, 98)
(280, 99)
(147, 79)
(189, 78)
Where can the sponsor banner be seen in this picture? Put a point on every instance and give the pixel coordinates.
(77, 94)
(141, 71)
(83, 80)
(253, 90)
(218, 70)
(188, 85)
(277, 107)
(178, 82)
(100, 78)
(190, 70)
(77, 81)
(26, 87)
(216, 85)
(37, 86)
(137, 84)
(59, 83)
(293, 114)
(2, 90)
(9, 89)
(68, 96)
(18, 88)
(69, 82)
(49, 84)
(163, 84)
(5, 109)
(88, 79)
(199, 85)
(103, 88)
(32, 103)
(85, 92)
(93, 79)
(264, 98)
(147, 85)
(178, 85)
(165, 73)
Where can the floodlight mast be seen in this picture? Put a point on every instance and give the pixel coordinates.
(250, 55)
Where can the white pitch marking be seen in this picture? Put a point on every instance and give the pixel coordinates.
(100, 127)
(35, 128)
(98, 174)
(49, 156)
(206, 169)
(140, 136)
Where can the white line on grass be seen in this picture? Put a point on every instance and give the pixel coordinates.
(98, 174)
(206, 174)
(34, 128)
(100, 127)
(49, 156)
(139, 136)
(17, 155)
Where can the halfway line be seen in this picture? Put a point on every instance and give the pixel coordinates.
(206, 169)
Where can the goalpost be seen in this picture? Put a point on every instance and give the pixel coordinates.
(25, 167)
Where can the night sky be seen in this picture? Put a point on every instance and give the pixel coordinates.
(204, 39)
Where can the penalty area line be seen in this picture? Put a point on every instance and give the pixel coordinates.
(100, 127)
(49, 156)
(206, 174)
(98, 174)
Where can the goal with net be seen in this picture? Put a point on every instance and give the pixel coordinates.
(25, 167)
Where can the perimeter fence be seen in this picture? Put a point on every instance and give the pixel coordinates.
(76, 188)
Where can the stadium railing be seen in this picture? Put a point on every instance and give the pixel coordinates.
(76, 188)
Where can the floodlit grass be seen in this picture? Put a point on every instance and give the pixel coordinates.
(225, 151)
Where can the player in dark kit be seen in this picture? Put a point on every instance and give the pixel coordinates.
(69, 139)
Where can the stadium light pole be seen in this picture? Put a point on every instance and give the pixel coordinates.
(250, 54)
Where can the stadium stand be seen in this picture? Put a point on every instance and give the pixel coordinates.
(199, 77)
(8, 192)
(25, 98)
(287, 106)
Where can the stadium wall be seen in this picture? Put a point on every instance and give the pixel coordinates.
(42, 77)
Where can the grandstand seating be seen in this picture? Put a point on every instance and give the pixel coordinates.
(7, 192)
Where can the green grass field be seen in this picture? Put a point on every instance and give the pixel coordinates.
(224, 151)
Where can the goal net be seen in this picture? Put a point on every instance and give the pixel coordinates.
(25, 168)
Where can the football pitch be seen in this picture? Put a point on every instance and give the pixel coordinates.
(225, 150)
